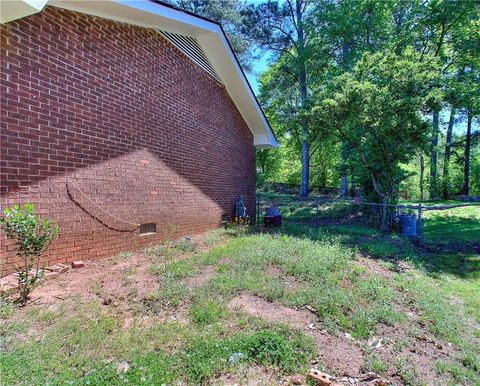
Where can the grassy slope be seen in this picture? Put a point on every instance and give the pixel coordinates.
(82, 342)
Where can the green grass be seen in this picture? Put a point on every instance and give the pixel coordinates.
(86, 349)
(82, 342)
(459, 226)
(297, 209)
(206, 312)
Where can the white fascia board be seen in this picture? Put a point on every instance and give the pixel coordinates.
(209, 35)
(16, 9)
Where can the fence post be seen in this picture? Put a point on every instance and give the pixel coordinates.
(419, 223)
(258, 209)
(317, 220)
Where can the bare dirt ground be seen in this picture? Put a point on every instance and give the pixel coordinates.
(120, 283)
(335, 352)
(200, 279)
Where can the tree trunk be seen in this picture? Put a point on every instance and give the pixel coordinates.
(422, 177)
(346, 48)
(466, 171)
(302, 77)
(343, 172)
(384, 223)
(304, 186)
(446, 161)
(433, 157)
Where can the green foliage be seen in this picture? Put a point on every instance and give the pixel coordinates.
(205, 313)
(340, 35)
(270, 348)
(185, 246)
(373, 363)
(376, 110)
(32, 236)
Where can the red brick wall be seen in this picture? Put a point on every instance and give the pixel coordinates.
(138, 127)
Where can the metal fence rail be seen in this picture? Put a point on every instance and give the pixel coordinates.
(322, 210)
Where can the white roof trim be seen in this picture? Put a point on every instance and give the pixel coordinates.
(13, 10)
(209, 35)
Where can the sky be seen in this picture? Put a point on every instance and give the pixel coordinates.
(258, 67)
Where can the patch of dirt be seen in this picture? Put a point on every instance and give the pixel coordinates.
(422, 352)
(273, 271)
(337, 354)
(118, 286)
(102, 278)
(225, 261)
(251, 376)
(290, 282)
(373, 266)
(202, 277)
(272, 312)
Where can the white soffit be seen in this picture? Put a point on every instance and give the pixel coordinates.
(16, 9)
(208, 34)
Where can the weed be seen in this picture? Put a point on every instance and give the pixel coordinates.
(121, 256)
(155, 251)
(471, 361)
(6, 308)
(407, 371)
(373, 363)
(184, 246)
(205, 313)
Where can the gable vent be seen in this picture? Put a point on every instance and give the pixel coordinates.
(190, 47)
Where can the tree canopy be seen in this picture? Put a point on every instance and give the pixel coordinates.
(370, 96)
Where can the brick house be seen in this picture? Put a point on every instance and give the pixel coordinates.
(126, 122)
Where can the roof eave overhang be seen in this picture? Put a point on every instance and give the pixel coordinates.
(151, 14)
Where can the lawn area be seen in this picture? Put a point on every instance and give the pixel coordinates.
(295, 209)
(240, 305)
(457, 227)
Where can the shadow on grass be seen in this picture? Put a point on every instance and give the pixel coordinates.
(390, 248)
(453, 233)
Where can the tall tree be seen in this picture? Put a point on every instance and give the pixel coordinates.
(446, 160)
(468, 142)
(281, 28)
(440, 22)
(229, 14)
(434, 154)
(348, 29)
(377, 110)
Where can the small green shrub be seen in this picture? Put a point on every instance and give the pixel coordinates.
(33, 236)
(471, 361)
(206, 313)
(184, 246)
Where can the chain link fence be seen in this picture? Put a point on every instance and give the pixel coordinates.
(417, 221)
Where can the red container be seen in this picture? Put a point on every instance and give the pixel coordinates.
(273, 220)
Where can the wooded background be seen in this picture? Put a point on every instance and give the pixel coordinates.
(368, 97)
